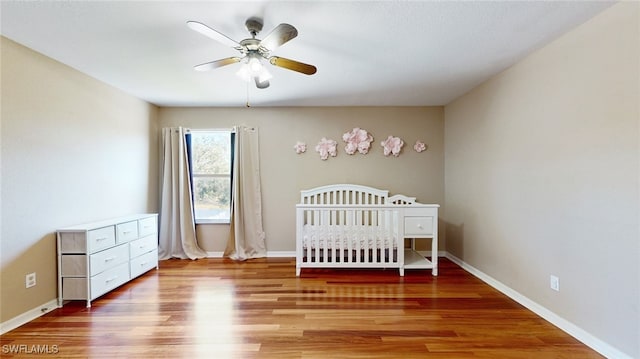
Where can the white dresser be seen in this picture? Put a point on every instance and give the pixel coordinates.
(94, 258)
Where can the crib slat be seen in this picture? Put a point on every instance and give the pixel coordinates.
(308, 218)
(374, 250)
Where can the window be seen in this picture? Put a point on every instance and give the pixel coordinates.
(210, 156)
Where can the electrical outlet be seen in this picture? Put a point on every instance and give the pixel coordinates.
(30, 280)
(554, 283)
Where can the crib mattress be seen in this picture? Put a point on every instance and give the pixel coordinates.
(348, 237)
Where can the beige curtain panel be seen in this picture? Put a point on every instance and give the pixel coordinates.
(246, 238)
(177, 237)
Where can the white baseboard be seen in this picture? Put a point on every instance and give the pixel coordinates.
(270, 254)
(28, 316)
(281, 254)
(566, 326)
(427, 254)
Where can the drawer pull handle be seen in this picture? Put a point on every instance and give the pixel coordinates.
(420, 226)
(143, 246)
(111, 279)
(109, 259)
(126, 232)
(101, 238)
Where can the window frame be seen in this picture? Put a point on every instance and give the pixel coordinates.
(194, 175)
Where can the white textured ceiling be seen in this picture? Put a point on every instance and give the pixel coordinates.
(368, 53)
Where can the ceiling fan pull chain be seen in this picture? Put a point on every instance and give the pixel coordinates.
(247, 87)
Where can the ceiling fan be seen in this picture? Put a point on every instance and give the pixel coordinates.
(252, 50)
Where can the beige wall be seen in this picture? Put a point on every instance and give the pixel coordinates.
(285, 173)
(542, 177)
(73, 150)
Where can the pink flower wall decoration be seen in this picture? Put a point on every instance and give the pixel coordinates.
(326, 147)
(419, 146)
(300, 147)
(392, 145)
(357, 140)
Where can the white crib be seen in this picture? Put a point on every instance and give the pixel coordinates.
(354, 226)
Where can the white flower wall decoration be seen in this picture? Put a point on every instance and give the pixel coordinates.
(326, 147)
(392, 145)
(420, 146)
(357, 140)
(300, 147)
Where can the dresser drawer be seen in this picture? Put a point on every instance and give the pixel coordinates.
(74, 288)
(109, 279)
(418, 226)
(126, 232)
(144, 263)
(108, 258)
(147, 226)
(73, 265)
(101, 238)
(72, 242)
(142, 245)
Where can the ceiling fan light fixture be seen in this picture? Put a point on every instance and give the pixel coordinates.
(244, 73)
(255, 66)
(252, 68)
(264, 75)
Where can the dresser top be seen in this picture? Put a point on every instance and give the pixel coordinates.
(106, 222)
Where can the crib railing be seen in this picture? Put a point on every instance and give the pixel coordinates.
(349, 236)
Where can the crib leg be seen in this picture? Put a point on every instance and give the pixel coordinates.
(298, 269)
(434, 272)
(401, 271)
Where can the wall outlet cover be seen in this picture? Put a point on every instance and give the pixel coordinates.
(554, 283)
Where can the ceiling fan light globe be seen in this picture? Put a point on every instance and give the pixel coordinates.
(264, 75)
(255, 66)
(244, 73)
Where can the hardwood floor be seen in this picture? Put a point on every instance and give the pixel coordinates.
(217, 308)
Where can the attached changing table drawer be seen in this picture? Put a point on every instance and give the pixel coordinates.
(419, 226)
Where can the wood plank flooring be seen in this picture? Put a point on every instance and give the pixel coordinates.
(218, 308)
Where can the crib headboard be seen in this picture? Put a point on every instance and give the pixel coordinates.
(351, 194)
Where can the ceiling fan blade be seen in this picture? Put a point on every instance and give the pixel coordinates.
(215, 64)
(293, 65)
(213, 34)
(278, 36)
(261, 85)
